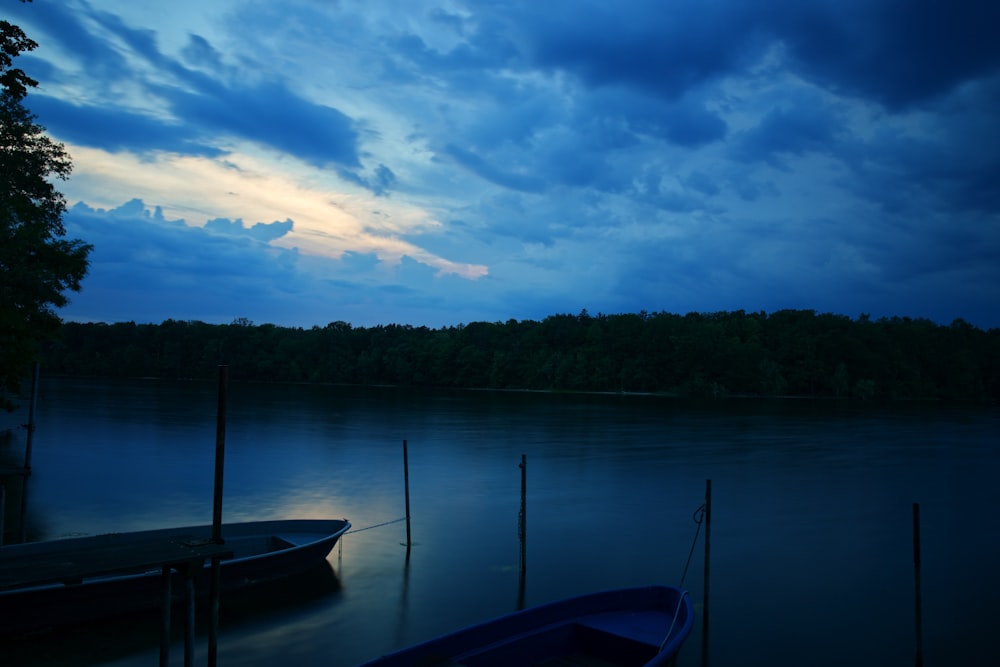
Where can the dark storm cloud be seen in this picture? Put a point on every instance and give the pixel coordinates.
(272, 115)
(663, 48)
(702, 182)
(946, 163)
(141, 41)
(578, 146)
(56, 24)
(684, 122)
(796, 125)
(116, 129)
(487, 48)
(514, 116)
(689, 125)
(268, 115)
(266, 112)
(896, 52)
(957, 155)
(493, 172)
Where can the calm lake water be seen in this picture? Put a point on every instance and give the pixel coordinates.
(811, 535)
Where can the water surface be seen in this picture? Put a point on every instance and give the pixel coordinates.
(811, 542)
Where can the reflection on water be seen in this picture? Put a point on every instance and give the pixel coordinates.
(100, 643)
(403, 601)
(811, 541)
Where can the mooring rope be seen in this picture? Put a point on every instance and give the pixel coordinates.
(670, 630)
(698, 517)
(377, 525)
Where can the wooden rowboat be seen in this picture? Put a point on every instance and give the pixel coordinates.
(626, 628)
(67, 581)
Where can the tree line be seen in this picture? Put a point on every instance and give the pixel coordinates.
(785, 353)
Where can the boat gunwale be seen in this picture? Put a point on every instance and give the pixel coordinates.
(479, 639)
(267, 528)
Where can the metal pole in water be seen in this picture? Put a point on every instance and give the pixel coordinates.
(916, 585)
(708, 540)
(406, 491)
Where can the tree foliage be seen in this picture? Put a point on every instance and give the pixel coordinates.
(789, 352)
(37, 265)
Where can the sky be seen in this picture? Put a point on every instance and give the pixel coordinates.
(441, 162)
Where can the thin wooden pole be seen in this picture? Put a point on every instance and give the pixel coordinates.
(220, 453)
(916, 585)
(522, 532)
(220, 456)
(213, 621)
(3, 505)
(189, 598)
(165, 605)
(31, 417)
(22, 521)
(708, 541)
(406, 492)
(22, 513)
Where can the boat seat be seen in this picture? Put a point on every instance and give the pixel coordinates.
(580, 660)
(601, 646)
(592, 646)
(438, 661)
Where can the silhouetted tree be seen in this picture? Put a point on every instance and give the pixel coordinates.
(37, 265)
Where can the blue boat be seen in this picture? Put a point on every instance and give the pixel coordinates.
(627, 627)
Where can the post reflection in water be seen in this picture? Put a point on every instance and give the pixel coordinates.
(811, 514)
(403, 603)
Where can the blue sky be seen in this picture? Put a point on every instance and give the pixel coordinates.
(443, 162)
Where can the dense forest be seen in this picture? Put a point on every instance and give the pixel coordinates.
(789, 352)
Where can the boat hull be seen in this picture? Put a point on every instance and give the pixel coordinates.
(630, 627)
(262, 551)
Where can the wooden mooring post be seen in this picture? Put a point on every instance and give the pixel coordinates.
(406, 492)
(24, 472)
(220, 457)
(6, 474)
(29, 440)
(708, 542)
(918, 614)
(522, 532)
